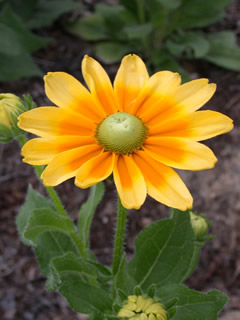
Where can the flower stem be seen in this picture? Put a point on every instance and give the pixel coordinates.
(52, 193)
(119, 236)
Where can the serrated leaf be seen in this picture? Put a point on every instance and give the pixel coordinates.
(87, 211)
(199, 13)
(223, 50)
(33, 200)
(85, 298)
(191, 304)
(45, 219)
(111, 52)
(90, 28)
(52, 244)
(191, 45)
(69, 264)
(163, 252)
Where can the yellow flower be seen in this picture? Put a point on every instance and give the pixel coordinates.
(141, 308)
(136, 129)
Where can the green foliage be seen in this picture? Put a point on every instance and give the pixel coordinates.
(18, 42)
(166, 253)
(87, 211)
(161, 31)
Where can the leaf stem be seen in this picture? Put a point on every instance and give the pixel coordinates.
(52, 193)
(119, 236)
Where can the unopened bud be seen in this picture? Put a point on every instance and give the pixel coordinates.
(199, 225)
(10, 108)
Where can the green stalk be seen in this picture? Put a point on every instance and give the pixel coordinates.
(52, 193)
(119, 236)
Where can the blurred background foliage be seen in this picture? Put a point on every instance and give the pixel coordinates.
(162, 32)
(18, 21)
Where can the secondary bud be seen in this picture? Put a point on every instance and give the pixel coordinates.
(141, 308)
(10, 108)
(199, 225)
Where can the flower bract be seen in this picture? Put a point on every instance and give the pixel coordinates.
(139, 129)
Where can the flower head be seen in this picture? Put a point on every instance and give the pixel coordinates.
(138, 129)
(141, 308)
(199, 225)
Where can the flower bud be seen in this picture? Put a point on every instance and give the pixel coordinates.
(141, 308)
(199, 225)
(10, 108)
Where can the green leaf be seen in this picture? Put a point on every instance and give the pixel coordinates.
(46, 12)
(21, 66)
(199, 13)
(191, 45)
(172, 4)
(85, 298)
(87, 211)
(191, 304)
(90, 28)
(223, 50)
(45, 219)
(113, 17)
(138, 32)
(34, 200)
(111, 52)
(52, 244)
(163, 252)
(67, 265)
(28, 41)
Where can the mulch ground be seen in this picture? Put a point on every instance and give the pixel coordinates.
(216, 193)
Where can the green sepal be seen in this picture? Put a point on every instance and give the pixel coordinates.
(163, 252)
(191, 304)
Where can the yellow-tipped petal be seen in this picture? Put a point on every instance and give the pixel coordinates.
(99, 84)
(129, 182)
(68, 93)
(194, 94)
(95, 170)
(180, 153)
(66, 164)
(52, 121)
(163, 183)
(40, 151)
(130, 78)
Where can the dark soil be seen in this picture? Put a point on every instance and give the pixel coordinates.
(216, 192)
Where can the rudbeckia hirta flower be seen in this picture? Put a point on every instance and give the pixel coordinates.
(138, 129)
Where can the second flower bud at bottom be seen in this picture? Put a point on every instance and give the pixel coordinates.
(141, 308)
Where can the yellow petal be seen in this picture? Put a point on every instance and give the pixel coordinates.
(180, 153)
(194, 94)
(198, 126)
(66, 164)
(40, 151)
(52, 121)
(99, 84)
(68, 93)
(95, 170)
(156, 89)
(129, 181)
(129, 80)
(163, 183)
